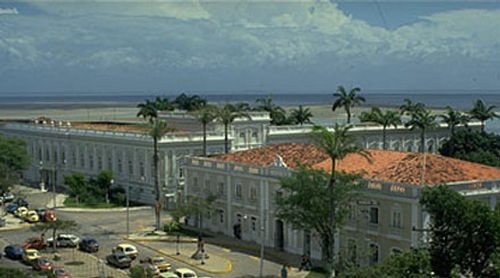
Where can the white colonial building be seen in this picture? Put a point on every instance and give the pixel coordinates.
(59, 148)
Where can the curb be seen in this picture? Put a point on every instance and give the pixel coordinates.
(66, 209)
(228, 269)
(172, 240)
(18, 228)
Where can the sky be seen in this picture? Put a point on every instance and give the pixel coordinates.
(243, 46)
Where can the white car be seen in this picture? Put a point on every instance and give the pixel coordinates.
(65, 240)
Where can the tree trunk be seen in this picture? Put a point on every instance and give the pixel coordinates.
(204, 139)
(422, 140)
(348, 111)
(383, 137)
(54, 241)
(482, 126)
(156, 179)
(331, 235)
(226, 140)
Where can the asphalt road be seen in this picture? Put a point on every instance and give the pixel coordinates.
(109, 229)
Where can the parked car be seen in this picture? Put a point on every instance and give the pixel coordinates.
(8, 197)
(127, 249)
(21, 212)
(151, 269)
(168, 274)
(119, 260)
(21, 202)
(89, 245)
(185, 273)
(64, 240)
(14, 251)
(160, 262)
(40, 211)
(42, 264)
(31, 216)
(34, 243)
(60, 273)
(30, 255)
(11, 208)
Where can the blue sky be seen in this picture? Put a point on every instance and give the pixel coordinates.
(240, 46)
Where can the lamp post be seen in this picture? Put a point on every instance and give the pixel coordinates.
(42, 183)
(128, 211)
(262, 242)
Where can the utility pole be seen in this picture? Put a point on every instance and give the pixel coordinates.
(262, 243)
(128, 210)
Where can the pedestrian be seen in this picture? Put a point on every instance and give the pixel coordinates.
(284, 271)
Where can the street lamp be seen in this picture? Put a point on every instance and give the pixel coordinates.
(128, 211)
(42, 183)
(262, 242)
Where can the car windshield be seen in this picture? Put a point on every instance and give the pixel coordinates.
(188, 275)
(159, 260)
(60, 271)
(43, 261)
(91, 241)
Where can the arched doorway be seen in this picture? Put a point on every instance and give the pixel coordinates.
(279, 238)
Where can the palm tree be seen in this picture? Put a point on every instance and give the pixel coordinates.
(205, 116)
(157, 129)
(389, 118)
(147, 110)
(423, 120)
(243, 106)
(482, 112)
(337, 144)
(409, 107)
(164, 104)
(189, 103)
(277, 113)
(227, 114)
(453, 118)
(301, 115)
(347, 100)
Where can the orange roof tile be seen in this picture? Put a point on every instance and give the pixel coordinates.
(391, 166)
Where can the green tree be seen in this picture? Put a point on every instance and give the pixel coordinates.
(301, 115)
(482, 112)
(302, 204)
(226, 115)
(467, 242)
(205, 116)
(337, 144)
(479, 147)
(194, 206)
(14, 159)
(414, 263)
(422, 120)
(278, 114)
(189, 102)
(157, 129)
(453, 118)
(243, 106)
(104, 182)
(409, 107)
(347, 100)
(54, 226)
(77, 186)
(389, 118)
(163, 104)
(140, 271)
(147, 110)
(13, 273)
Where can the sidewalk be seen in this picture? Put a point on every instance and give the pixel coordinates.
(84, 265)
(13, 223)
(214, 264)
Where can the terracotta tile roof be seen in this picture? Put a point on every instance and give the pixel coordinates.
(391, 166)
(135, 128)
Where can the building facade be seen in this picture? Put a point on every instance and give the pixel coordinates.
(59, 148)
(386, 219)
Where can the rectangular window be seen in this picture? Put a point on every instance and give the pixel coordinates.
(47, 154)
(253, 193)
(352, 212)
(238, 192)
(130, 167)
(220, 189)
(73, 157)
(374, 256)
(207, 187)
(396, 219)
(195, 182)
(63, 157)
(374, 215)
(141, 169)
(119, 165)
(55, 157)
(82, 160)
(254, 224)
(221, 216)
(99, 163)
(91, 161)
(110, 162)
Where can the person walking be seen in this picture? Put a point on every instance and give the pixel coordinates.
(284, 271)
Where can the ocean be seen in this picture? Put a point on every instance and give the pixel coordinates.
(437, 100)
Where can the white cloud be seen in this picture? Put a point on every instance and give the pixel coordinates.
(4, 11)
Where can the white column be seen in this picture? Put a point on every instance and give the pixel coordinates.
(414, 223)
(228, 214)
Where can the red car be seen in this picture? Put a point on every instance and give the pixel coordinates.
(43, 264)
(61, 273)
(34, 243)
(49, 216)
